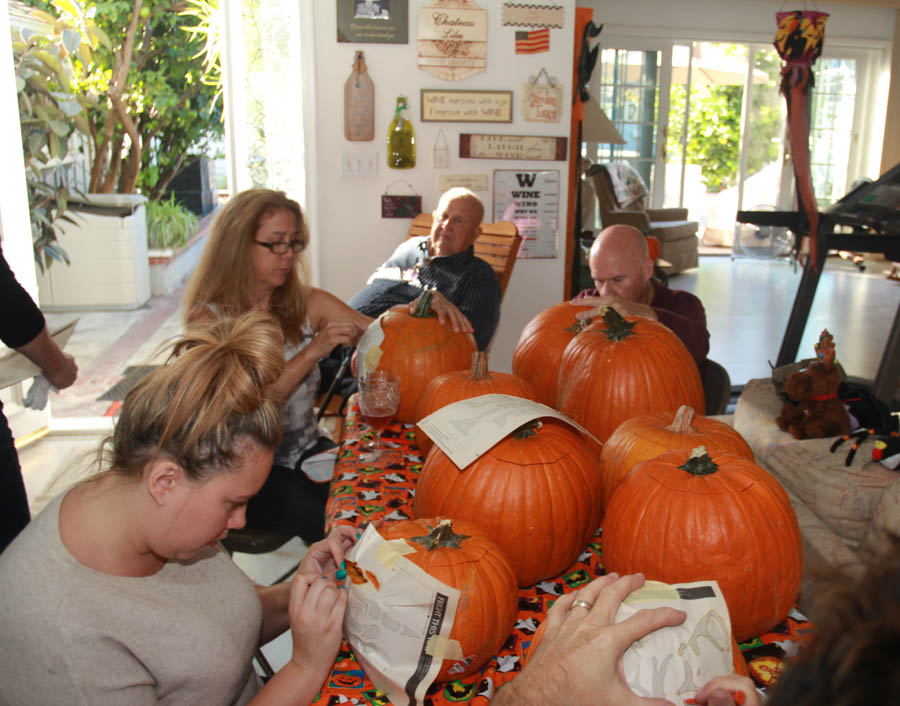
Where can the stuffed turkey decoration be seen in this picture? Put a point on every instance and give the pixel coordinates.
(799, 42)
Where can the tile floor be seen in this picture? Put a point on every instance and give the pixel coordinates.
(747, 303)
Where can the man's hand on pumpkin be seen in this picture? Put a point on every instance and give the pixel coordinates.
(624, 307)
(446, 312)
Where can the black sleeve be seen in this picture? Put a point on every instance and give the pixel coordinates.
(479, 299)
(20, 319)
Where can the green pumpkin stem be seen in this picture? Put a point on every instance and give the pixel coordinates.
(617, 328)
(699, 463)
(528, 429)
(479, 366)
(423, 308)
(441, 536)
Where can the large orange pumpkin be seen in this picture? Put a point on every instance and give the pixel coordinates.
(417, 348)
(617, 369)
(541, 345)
(649, 435)
(462, 385)
(691, 517)
(457, 553)
(536, 494)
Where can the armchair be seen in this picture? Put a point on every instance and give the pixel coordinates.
(621, 196)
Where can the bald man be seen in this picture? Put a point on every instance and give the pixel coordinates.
(467, 291)
(622, 272)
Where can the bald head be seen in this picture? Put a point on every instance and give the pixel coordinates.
(620, 263)
(457, 222)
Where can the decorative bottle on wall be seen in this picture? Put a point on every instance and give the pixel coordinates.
(401, 139)
(359, 102)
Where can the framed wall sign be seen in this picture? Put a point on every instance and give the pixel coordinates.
(542, 102)
(530, 199)
(452, 39)
(373, 21)
(452, 106)
(528, 147)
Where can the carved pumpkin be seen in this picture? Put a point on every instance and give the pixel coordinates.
(417, 348)
(649, 435)
(461, 385)
(679, 518)
(536, 494)
(617, 369)
(541, 346)
(457, 553)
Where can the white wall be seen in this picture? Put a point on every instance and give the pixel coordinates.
(353, 238)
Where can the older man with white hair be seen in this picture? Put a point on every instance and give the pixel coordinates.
(466, 291)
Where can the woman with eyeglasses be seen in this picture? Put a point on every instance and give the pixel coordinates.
(254, 261)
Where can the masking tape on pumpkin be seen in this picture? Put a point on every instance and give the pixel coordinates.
(391, 551)
(443, 648)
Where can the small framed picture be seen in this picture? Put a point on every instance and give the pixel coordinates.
(373, 21)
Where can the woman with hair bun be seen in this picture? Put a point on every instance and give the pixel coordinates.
(253, 261)
(118, 592)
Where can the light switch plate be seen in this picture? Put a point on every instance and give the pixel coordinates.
(358, 164)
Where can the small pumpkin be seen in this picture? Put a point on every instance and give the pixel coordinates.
(417, 348)
(691, 517)
(541, 345)
(462, 385)
(619, 368)
(457, 553)
(536, 494)
(648, 435)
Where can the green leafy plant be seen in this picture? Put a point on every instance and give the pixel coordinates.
(169, 224)
(50, 112)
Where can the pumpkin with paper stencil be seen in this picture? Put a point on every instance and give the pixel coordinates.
(693, 516)
(647, 436)
(535, 493)
(618, 368)
(458, 554)
(417, 348)
(541, 346)
(738, 661)
(451, 387)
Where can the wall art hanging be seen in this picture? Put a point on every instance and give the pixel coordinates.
(542, 102)
(359, 102)
(529, 147)
(454, 106)
(530, 200)
(473, 182)
(452, 39)
(533, 42)
(373, 21)
(400, 205)
(441, 151)
(523, 14)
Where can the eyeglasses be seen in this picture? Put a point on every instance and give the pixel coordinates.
(280, 248)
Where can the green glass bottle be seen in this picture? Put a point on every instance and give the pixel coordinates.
(401, 139)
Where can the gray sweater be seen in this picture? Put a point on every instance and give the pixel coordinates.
(73, 635)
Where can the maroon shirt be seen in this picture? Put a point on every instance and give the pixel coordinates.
(680, 311)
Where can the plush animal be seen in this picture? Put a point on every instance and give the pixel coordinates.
(814, 409)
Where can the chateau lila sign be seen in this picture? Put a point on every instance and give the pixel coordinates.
(452, 39)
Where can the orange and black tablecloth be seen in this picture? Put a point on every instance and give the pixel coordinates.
(363, 493)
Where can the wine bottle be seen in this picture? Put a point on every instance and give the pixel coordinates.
(359, 102)
(401, 139)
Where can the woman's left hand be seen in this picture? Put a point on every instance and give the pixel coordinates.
(325, 556)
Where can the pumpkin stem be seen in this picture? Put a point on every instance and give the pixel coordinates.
(579, 326)
(683, 422)
(479, 366)
(441, 536)
(617, 328)
(699, 463)
(423, 308)
(528, 429)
